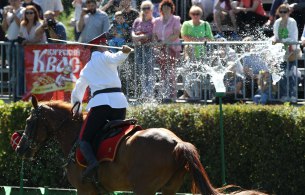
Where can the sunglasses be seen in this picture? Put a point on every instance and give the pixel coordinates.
(195, 14)
(145, 8)
(29, 13)
(283, 12)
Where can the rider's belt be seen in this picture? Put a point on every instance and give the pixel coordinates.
(107, 90)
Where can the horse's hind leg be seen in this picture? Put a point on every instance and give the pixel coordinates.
(175, 182)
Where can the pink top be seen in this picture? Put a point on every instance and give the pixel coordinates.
(143, 27)
(163, 31)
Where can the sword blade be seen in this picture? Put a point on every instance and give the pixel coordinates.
(87, 44)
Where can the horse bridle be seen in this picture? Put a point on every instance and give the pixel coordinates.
(37, 114)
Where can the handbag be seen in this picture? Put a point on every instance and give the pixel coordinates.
(295, 55)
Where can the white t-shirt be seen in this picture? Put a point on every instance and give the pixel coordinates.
(31, 35)
(52, 5)
(14, 28)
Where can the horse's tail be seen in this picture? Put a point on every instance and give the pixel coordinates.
(187, 155)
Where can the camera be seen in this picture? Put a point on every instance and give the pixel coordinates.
(51, 22)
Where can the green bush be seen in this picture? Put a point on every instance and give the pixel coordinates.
(45, 170)
(264, 145)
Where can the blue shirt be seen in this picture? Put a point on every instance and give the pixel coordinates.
(60, 30)
(255, 62)
(95, 24)
(121, 27)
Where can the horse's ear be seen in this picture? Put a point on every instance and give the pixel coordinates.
(34, 101)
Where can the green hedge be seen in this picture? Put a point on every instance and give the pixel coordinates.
(45, 170)
(264, 145)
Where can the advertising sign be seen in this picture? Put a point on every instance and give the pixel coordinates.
(52, 70)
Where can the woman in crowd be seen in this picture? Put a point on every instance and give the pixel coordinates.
(194, 30)
(166, 31)
(26, 3)
(141, 35)
(285, 30)
(29, 25)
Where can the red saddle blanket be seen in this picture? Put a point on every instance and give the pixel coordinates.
(108, 147)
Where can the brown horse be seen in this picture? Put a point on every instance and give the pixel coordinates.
(147, 161)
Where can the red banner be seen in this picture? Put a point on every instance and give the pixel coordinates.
(52, 70)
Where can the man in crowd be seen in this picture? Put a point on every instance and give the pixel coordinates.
(92, 22)
(250, 16)
(51, 27)
(223, 13)
(12, 16)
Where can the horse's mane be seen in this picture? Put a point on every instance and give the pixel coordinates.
(62, 105)
(58, 104)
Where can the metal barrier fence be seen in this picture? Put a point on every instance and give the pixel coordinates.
(143, 77)
(11, 71)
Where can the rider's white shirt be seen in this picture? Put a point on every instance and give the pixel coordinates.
(99, 73)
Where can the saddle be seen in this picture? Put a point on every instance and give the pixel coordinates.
(113, 128)
(107, 142)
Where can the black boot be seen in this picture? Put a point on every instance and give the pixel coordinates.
(87, 152)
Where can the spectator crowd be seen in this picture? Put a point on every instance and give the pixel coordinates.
(139, 22)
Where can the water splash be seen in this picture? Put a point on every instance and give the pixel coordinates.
(217, 73)
(215, 62)
(229, 60)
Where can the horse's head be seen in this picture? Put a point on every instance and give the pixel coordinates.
(36, 130)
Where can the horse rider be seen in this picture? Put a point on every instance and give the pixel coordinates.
(107, 102)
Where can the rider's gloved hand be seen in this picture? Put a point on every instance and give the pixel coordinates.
(126, 49)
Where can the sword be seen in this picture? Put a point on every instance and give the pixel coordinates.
(87, 44)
